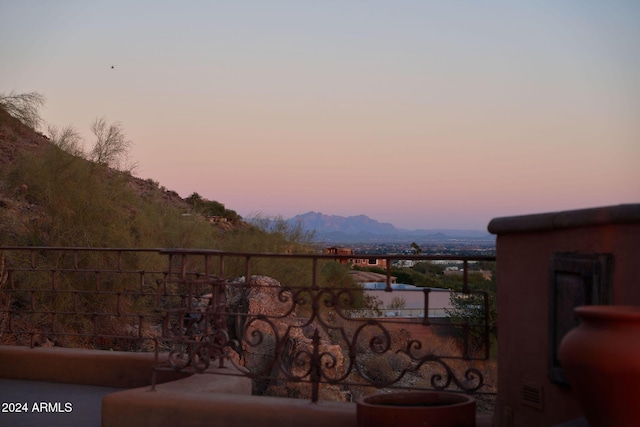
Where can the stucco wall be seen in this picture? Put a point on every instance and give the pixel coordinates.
(81, 366)
(525, 247)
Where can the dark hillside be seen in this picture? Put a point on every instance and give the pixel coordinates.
(50, 197)
(15, 137)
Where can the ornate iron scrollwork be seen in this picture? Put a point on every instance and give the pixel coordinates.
(291, 340)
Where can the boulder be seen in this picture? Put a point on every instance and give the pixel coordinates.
(276, 345)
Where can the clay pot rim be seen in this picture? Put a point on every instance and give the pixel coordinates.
(602, 312)
(448, 399)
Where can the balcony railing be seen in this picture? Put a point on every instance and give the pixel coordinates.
(279, 319)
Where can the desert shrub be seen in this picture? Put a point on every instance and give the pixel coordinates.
(83, 203)
(211, 208)
(469, 315)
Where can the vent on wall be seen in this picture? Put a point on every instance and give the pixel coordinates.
(531, 395)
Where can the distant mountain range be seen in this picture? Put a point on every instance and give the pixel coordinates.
(362, 229)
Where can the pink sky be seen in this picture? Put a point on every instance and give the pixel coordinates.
(425, 115)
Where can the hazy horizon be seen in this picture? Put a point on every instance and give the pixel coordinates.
(387, 222)
(425, 115)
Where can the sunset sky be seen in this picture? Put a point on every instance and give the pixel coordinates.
(424, 114)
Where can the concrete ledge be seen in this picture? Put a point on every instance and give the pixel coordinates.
(77, 366)
(197, 400)
(620, 214)
(221, 401)
(201, 399)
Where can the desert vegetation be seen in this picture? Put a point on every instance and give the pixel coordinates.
(64, 195)
(56, 193)
(60, 194)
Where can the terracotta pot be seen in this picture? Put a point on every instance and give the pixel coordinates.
(601, 360)
(409, 409)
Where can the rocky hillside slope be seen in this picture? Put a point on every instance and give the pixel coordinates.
(15, 138)
(20, 209)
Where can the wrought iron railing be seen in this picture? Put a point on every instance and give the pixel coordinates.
(199, 309)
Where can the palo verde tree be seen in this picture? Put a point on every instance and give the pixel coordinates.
(24, 107)
(477, 309)
(67, 139)
(112, 146)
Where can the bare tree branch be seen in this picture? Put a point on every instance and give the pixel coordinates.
(24, 107)
(67, 139)
(111, 147)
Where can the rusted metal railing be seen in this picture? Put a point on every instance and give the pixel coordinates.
(200, 309)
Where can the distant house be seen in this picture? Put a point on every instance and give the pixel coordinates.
(369, 262)
(360, 262)
(334, 250)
